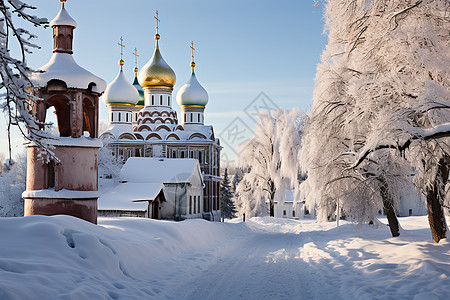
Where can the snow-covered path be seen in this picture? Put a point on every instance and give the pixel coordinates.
(280, 259)
(265, 258)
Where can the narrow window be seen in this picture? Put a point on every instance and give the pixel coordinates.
(112, 117)
(119, 116)
(182, 154)
(50, 175)
(195, 202)
(169, 100)
(284, 212)
(153, 100)
(191, 117)
(198, 117)
(160, 100)
(198, 208)
(127, 117)
(293, 213)
(190, 204)
(200, 157)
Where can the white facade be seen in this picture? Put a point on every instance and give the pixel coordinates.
(291, 208)
(158, 188)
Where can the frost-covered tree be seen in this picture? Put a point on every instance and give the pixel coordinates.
(383, 85)
(237, 177)
(109, 165)
(15, 97)
(226, 198)
(271, 156)
(12, 184)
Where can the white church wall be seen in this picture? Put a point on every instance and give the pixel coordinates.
(412, 203)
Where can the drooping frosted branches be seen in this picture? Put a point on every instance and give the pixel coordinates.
(16, 99)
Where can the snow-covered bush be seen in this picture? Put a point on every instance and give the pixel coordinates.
(12, 185)
(109, 165)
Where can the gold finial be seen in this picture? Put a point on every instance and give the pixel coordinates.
(157, 26)
(121, 62)
(63, 1)
(192, 62)
(135, 61)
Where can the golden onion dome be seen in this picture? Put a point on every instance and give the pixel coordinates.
(157, 73)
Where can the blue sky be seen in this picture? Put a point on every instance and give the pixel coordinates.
(243, 48)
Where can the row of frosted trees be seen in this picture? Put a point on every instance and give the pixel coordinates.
(381, 113)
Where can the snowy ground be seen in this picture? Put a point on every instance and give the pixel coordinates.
(65, 258)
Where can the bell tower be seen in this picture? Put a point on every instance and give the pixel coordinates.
(66, 182)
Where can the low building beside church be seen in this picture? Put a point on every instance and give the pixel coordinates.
(157, 188)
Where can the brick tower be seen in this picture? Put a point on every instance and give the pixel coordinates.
(68, 184)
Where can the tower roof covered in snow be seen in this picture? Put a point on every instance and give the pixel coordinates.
(62, 65)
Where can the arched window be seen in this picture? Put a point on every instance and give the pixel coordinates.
(88, 117)
(62, 110)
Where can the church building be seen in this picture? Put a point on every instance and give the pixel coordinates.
(142, 122)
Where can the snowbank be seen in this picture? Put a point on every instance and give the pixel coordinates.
(264, 258)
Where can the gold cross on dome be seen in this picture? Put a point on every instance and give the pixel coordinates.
(192, 48)
(135, 57)
(157, 21)
(63, 1)
(121, 47)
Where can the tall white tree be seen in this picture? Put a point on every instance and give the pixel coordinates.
(383, 85)
(270, 157)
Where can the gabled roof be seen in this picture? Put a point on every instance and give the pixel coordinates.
(163, 170)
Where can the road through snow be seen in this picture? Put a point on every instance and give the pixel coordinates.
(287, 259)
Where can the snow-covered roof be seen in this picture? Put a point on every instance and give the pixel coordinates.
(130, 196)
(163, 170)
(82, 141)
(62, 66)
(62, 194)
(120, 91)
(192, 93)
(63, 18)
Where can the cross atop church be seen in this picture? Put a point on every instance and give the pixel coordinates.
(135, 57)
(63, 1)
(192, 48)
(157, 21)
(121, 47)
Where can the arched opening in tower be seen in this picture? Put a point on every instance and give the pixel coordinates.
(88, 117)
(62, 110)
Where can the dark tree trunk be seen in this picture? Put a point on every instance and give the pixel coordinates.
(271, 200)
(388, 207)
(272, 208)
(435, 197)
